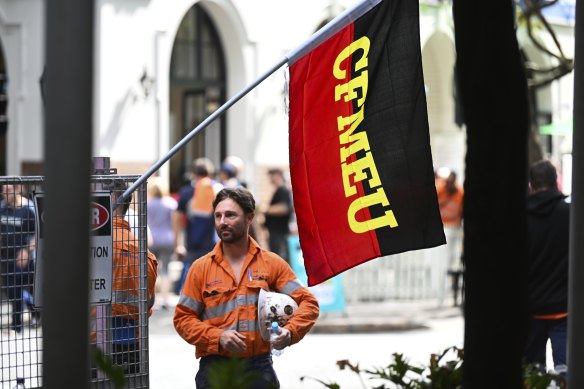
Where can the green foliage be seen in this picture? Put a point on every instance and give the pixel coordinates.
(444, 371)
(331, 385)
(441, 373)
(232, 373)
(536, 377)
(114, 372)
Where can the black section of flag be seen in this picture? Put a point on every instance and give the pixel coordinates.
(397, 127)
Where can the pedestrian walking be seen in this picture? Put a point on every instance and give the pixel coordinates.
(548, 233)
(161, 210)
(450, 201)
(278, 214)
(17, 228)
(196, 236)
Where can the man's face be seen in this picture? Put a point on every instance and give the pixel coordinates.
(231, 223)
(276, 179)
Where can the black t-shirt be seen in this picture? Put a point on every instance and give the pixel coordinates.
(280, 223)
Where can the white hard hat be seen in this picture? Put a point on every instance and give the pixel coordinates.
(274, 307)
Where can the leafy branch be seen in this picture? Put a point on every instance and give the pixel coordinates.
(444, 371)
(533, 10)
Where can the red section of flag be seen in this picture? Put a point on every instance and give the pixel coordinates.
(315, 165)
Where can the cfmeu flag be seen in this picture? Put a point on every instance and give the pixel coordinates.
(360, 159)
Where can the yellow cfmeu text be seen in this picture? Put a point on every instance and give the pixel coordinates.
(364, 168)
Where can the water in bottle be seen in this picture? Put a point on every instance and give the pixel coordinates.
(275, 330)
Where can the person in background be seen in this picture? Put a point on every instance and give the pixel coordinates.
(195, 207)
(450, 202)
(548, 239)
(218, 311)
(278, 214)
(229, 173)
(161, 210)
(17, 229)
(126, 285)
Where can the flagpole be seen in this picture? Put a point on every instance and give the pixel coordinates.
(331, 28)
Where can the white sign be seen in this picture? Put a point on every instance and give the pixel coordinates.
(100, 248)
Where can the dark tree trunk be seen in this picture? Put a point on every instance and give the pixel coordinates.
(494, 95)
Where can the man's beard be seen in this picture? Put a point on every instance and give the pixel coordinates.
(231, 235)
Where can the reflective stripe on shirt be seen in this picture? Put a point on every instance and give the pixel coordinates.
(191, 303)
(291, 286)
(229, 306)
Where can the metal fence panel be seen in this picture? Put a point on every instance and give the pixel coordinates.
(414, 275)
(118, 328)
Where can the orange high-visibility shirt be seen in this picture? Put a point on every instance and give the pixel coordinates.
(203, 196)
(126, 275)
(450, 206)
(212, 300)
(126, 271)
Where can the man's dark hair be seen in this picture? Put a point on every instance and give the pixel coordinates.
(241, 196)
(277, 171)
(118, 187)
(542, 175)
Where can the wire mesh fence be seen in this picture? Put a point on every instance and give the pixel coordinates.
(118, 284)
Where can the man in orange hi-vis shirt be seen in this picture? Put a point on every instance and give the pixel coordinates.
(218, 308)
(450, 201)
(126, 286)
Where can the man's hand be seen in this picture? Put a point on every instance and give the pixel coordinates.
(283, 340)
(232, 341)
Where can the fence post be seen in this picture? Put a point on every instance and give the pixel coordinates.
(67, 83)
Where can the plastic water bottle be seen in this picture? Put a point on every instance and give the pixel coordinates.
(275, 330)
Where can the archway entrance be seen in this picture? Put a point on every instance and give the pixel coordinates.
(197, 88)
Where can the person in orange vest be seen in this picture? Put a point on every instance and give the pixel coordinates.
(217, 310)
(193, 219)
(450, 201)
(126, 289)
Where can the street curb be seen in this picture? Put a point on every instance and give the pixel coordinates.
(375, 318)
(347, 327)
